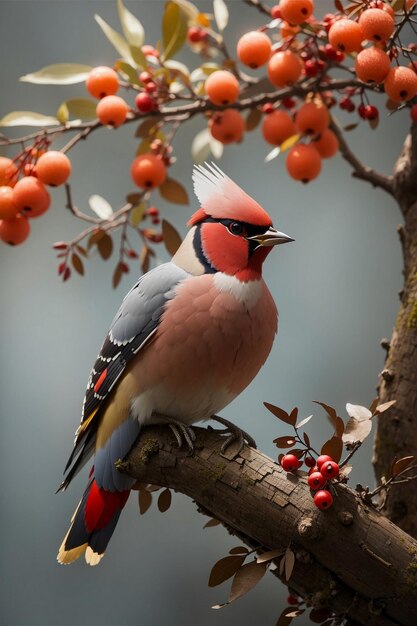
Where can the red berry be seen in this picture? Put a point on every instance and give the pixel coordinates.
(316, 481)
(153, 211)
(151, 87)
(268, 108)
(361, 111)
(329, 469)
(290, 463)
(288, 103)
(150, 51)
(276, 12)
(292, 599)
(309, 461)
(311, 68)
(145, 77)
(313, 469)
(196, 34)
(370, 112)
(144, 102)
(413, 113)
(323, 499)
(322, 459)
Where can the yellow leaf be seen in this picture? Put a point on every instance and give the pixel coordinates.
(58, 74)
(174, 30)
(289, 143)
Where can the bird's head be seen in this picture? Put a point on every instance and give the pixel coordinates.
(230, 233)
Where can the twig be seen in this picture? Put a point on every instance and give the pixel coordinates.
(263, 8)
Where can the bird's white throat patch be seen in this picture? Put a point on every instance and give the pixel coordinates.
(247, 293)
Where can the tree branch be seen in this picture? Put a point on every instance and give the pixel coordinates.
(349, 558)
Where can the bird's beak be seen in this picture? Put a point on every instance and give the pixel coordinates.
(271, 237)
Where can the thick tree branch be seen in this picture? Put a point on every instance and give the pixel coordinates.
(360, 170)
(349, 558)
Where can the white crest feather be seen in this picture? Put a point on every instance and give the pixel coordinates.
(208, 180)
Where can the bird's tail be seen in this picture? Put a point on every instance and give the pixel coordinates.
(92, 524)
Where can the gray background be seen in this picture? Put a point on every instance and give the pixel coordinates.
(336, 288)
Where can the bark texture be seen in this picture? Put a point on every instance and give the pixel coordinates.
(349, 558)
(397, 430)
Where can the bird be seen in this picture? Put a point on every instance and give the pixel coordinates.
(187, 339)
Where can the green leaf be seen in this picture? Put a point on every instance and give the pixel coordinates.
(27, 118)
(221, 14)
(132, 28)
(172, 239)
(174, 30)
(58, 74)
(137, 213)
(173, 191)
(115, 39)
(77, 108)
(189, 9)
(138, 57)
(128, 70)
(100, 206)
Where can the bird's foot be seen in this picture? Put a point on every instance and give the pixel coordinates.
(182, 432)
(234, 434)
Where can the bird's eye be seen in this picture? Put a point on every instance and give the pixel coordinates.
(236, 228)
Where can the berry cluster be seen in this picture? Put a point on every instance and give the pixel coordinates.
(320, 474)
(23, 192)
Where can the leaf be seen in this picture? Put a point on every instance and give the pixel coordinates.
(189, 9)
(132, 28)
(239, 550)
(269, 556)
(381, 408)
(117, 275)
(225, 568)
(138, 57)
(77, 264)
(164, 500)
(174, 30)
(303, 422)
(212, 522)
(145, 259)
(172, 239)
(100, 206)
(95, 237)
(137, 213)
(289, 563)
(147, 127)
(246, 578)
(58, 74)
(334, 448)
(105, 246)
(128, 70)
(281, 414)
(400, 465)
(272, 155)
(284, 619)
(359, 412)
(284, 442)
(28, 118)
(336, 421)
(221, 14)
(173, 191)
(356, 431)
(374, 123)
(216, 148)
(339, 6)
(289, 143)
(200, 147)
(145, 500)
(117, 41)
(398, 5)
(77, 108)
(350, 127)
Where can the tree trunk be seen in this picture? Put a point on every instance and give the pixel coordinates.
(397, 430)
(349, 558)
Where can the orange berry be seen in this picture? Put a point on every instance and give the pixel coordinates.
(8, 170)
(148, 171)
(102, 81)
(346, 36)
(222, 87)
(14, 231)
(227, 126)
(8, 208)
(372, 65)
(112, 111)
(312, 118)
(378, 4)
(401, 84)
(303, 163)
(254, 49)
(296, 11)
(376, 24)
(284, 68)
(327, 144)
(277, 127)
(53, 168)
(31, 196)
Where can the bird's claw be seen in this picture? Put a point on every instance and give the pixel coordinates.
(182, 433)
(235, 434)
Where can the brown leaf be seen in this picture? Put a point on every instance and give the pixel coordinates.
(117, 275)
(173, 191)
(134, 198)
(284, 442)
(77, 264)
(212, 522)
(246, 578)
(334, 448)
(105, 246)
(400, 465)
(339, 6)
(374, 405)
(356, 431)
(95, 237)
(225, 568)
(381, 408)
(306, 440)
(66, 274)
(284, 619)
(336, 421)
(350, 127)
(145, 500)
(144, 259)
(298, 452)
(239, 550)
(289, 563)
(374, 123)
(81, 250)
(147, 127)
(253, 119)
(317, 616)
(281, 414)
(269, 556)
(164, 500)
(172, 239)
